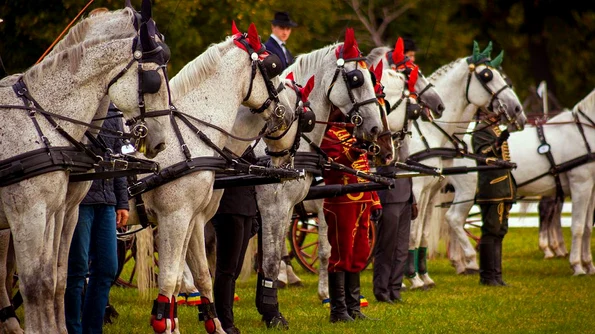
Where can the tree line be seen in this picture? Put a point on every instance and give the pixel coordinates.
(541, 39)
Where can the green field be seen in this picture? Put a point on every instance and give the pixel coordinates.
(542, 297)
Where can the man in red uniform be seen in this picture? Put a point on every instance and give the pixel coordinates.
(348, 219)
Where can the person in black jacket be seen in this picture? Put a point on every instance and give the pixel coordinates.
(281, 29)
(93, 248)
(392, 244)
(234, 226)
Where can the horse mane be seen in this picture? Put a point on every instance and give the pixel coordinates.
(73, 55)
(197, 70)
(377, 54)
(309, 61)
(587, 105)
(442, 71)
(77, 34)
(10, 80)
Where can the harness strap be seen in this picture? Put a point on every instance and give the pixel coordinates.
(550, 157)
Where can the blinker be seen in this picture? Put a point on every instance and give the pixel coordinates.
(486, 75)
(355, 79)
(307, 120)
(151, 82)
(272, 63)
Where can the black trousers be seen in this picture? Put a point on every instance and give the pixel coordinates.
(495, 219)
(390, 253)
(233, 233)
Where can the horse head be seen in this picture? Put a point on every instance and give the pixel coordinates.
(262, 94)
(350, 88)
(140, 89)
(488, 89)
(427, 97)
(383, 150)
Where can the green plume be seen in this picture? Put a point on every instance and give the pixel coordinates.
(475, 51)
(498, 60)
(487, 52)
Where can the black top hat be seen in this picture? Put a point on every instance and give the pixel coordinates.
(409, 44)
(282, 19)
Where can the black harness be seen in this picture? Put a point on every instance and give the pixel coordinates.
(557, 169)
(80, 158)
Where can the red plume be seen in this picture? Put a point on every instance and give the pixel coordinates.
(413, 79)
(290, 76)
(253, 38)
(307, 89)
(378, 71)
(350, 48)
(398, 53)
(234, 28)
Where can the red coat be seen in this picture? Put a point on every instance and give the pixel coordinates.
(347, 216)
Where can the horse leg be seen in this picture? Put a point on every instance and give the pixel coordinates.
(10, 322)
(425, 237)
(581, 190)
(545, 218)
(292, 278)
(456, 217)
(557, 234)
(171, 244)
(324, 253)
(414, 242)
(189, 294)
(196, 258)
(587, 258)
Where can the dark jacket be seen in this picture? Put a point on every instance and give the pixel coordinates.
(239, 200)
(274, 47)
(402, 192)
(110, 191)
(493, 186)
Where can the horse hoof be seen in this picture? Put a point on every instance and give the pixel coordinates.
(471, 271)
(589, 268)
(281, 284)
(548, 254)
(578, 270)
(297, 284)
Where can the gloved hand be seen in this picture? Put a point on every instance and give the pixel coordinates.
(414, 211)
(503, 137)
(375, 215)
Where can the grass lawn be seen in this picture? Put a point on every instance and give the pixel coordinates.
(542, 297)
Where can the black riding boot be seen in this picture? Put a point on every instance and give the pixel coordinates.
(336, 286)
(352, 293)
(487, 273)
(498, 262)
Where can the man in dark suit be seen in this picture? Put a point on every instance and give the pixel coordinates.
(281, 29)
(391, 251)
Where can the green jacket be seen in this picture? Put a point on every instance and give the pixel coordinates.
(493, 186)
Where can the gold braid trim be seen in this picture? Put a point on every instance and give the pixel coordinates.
(505, 149)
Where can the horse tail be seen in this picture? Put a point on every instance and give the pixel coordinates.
(439, 228)
(145, 263)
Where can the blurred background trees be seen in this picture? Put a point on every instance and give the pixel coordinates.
(542, 39)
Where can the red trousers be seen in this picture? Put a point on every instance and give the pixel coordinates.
(348, 234)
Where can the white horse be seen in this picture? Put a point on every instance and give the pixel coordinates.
(70, 83)
(276, 201)
(210, 89)
(578, 182)
(397, 88)
(466, 85)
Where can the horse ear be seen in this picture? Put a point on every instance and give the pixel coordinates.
(128, 4)
(290, 76)
(234, 28)
(378, 71)
(253, 37)
(146, 11)
(398, 54)
(413, 79)
(308, 89)
(496, 62)
(487, 52)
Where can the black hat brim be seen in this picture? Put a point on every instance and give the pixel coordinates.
(289, 24)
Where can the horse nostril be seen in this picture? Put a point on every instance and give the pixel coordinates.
(440, 108)
(375, 131)
(517, 110)
(160, 147)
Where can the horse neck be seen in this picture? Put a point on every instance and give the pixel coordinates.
(76, 93)
(451, 85)
(231, 77)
